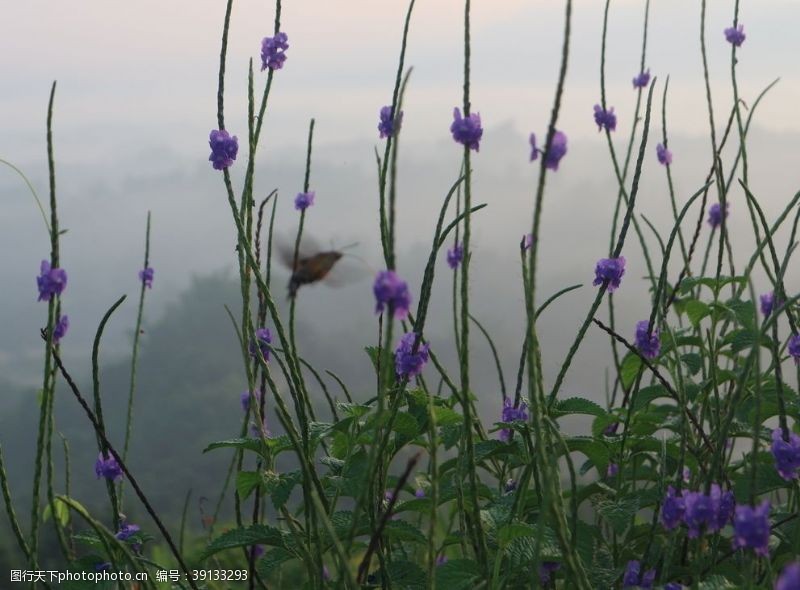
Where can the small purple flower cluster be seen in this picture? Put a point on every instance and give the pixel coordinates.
(146, 277)
(107, 466)
(793, 348)
(751, 528)
(767, 303)
(648, 341)
(261, 343)
(715, 215)
(786, 454)
(62, 325)
(546, 571)
(245, 399)
(391, 292)
(388, 126)
(642, 79)
(455, 255)
(735, 35)
(51, 281)
(467, 130)
(512, 413)
(663, 154)
(408, 363)
(699, 512)
(273, 51)
(789, 578)
(633, 578)
(605, 119)
(223, 149)
(304, 200)
(526, 242)
(609, 271)
(126, 531)
(558, 149)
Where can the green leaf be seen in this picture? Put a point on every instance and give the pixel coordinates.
(619, 513)
(246, 444)
(446, 416)
(696, 311)
(62, 513)
(400, 530)
(406, 425)
(271, 560)
(716, 583)
(577, 405)
(629, 369)
(646, 395)
(693, 362)
(594, 450)
(372, 352)
(690, 283)
(515, 530)
(406, 575)
(246, 482)
(280, 487)
(457, 574)
(257, 534)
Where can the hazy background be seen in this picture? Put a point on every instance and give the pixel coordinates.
(136, 100)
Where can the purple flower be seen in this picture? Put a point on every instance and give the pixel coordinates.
(392, 292)
(723, 505)
(612, 470)
(698, 513)
(735, 35)
(62, 325)
(388, 495)
(526, 242)
(534, 150)
(673, 586)
(648, 578)
(631, 577)
(751, 528)
(467, 130)
(687, 474)
(146, 276)
(258, 432)
(273, 51)
(51, 281)
(767, 302)
(558, 149)
(605, 119)
(648, 344)
(126, 531)
(304, 200)
(256, 551)
(642, 80)
(441, 559)
(794, 348)
(789, 578)
(388, 126)
(787, 454)
(262, 343)
(609, 272)
(510, 414)
(510, 485)
(715, 215)
(455, 256)
(419, 493)
(672, 509)
(107, 466)
(611, 429)
(546, 571)
(245, 398)
(663, 154)
(223, 149)
(406, 362)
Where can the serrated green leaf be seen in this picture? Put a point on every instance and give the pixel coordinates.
(618, 513)
(594, 450)
(257, 534)
(406, 425)
(406, 575)
(696, 311)
(693, 362)
(577, 405)
(447, 417)
(246, 444)
(647, 395)
(457, 574)
(629, 369)
(246, 482)
(400, 530)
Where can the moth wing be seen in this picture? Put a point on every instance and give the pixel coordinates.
(285, 245)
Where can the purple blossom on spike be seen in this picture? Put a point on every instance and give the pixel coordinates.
(648, 345)
(558, 149)
(406, 362)
(62, 325)
(419, 493)
(794, 348)
(126, 531)
(698, 512)
(107, 466)
(631, 577)
(642, 80)
(388, 495)
(304, 200)
(673, 586)
(146, 276)
(526, 242)
(441, 559)
(786, 454)
(391, 292)
(612, 470)
(647, 579)
(687, 475)
(534, 150)
(223, 149)
(326, 574)
(735, 35)
(723, 505)
(767, 302)
(273, 51)
(605, 119)
(672, 509)
(256, 551)
(663, 154)
(51, 281)
(467, 130)
(262, 343)
(789, 578)
(245, 398)
(510, 485)
(715, 215)
(609, 271)
(546, 571)
(387, 126)
(751, 528)
(510, 414)
(455, 255)
(611, 429)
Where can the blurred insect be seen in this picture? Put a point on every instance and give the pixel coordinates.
(311, 265)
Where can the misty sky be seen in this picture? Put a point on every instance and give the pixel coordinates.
(136, 100)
